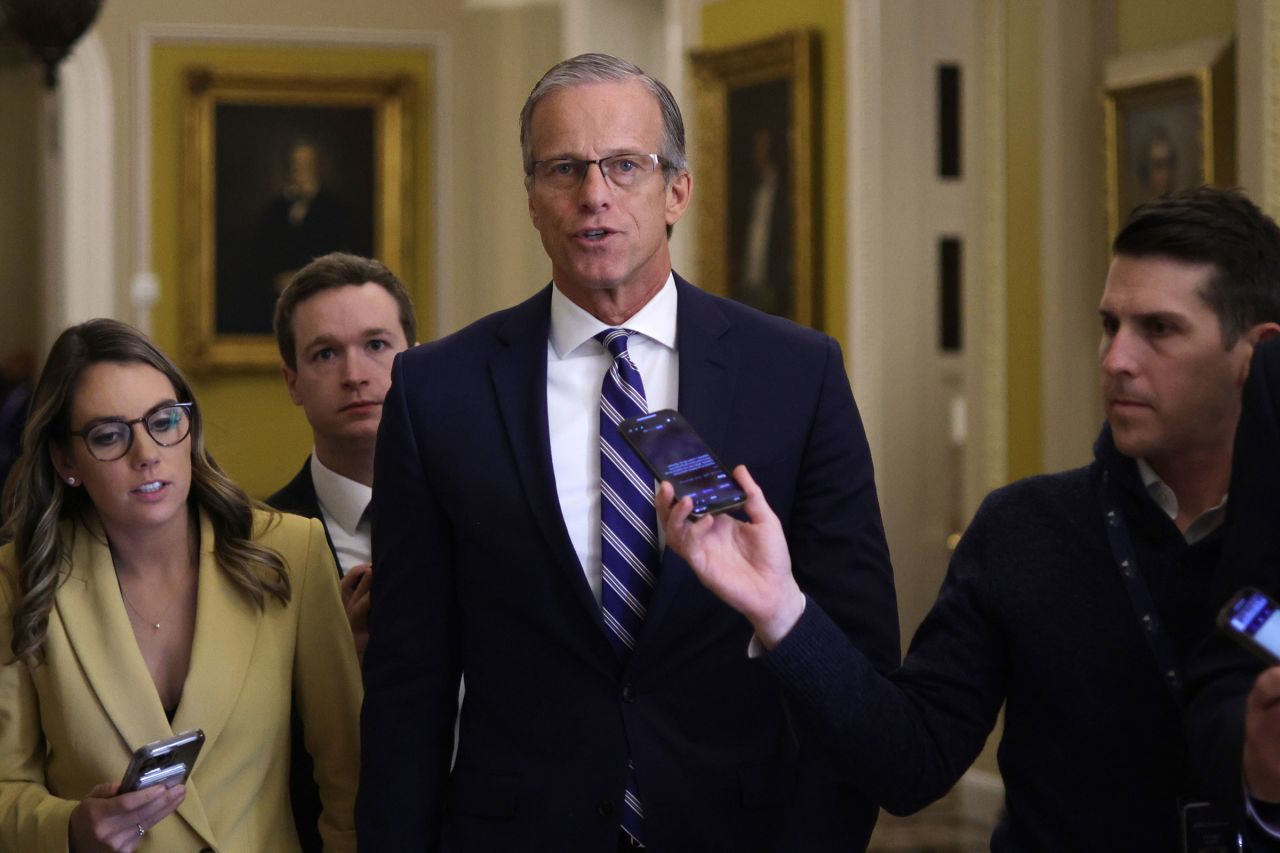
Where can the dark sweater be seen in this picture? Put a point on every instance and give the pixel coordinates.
(1221, 674)
(1032, 613)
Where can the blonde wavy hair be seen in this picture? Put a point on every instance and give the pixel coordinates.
(35, 499)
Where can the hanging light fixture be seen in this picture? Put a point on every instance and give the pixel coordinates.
(50, 27)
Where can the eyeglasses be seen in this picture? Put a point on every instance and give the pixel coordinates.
(622, 171)
(167, 424)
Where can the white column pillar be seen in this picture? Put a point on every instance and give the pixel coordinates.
(77, 152)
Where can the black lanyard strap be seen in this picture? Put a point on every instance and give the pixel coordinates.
(1139, 595)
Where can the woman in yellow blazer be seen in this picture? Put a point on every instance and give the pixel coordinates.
(142, 594)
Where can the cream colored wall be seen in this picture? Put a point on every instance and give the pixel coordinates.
(1022, 128)
(20, 94)
(1075, 39)
(485, 255)
(1148, 24)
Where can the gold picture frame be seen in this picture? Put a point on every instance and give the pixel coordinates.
(1170, 123)
(276, 169)
(756, 154)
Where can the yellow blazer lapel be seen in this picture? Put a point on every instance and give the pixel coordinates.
(226, 631)
(98, 628)
(97, 625)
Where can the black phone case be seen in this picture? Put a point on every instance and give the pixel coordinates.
(1224, 624)
(627, 426)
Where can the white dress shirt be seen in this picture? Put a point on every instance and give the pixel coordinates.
(343, 502)
(576, 365)
(1204, 524)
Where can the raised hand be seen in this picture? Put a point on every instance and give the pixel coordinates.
(746, 564)
(355, 587)
(1262, 737)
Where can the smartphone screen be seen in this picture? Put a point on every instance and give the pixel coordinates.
(666, 442)
(1253, 618)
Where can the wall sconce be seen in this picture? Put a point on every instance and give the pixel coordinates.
(49, 27)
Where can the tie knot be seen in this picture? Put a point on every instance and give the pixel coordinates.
(615, 340)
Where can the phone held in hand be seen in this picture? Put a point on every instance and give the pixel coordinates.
(1253, 620)
(672, 450)
(165, 762)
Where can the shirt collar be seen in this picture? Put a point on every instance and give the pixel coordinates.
(343, 498)
(572, 326)
(1204, 524)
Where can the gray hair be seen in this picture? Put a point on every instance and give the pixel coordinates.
(603, 68)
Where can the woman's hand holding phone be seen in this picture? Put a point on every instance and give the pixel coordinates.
(105, 821)
(746, 564)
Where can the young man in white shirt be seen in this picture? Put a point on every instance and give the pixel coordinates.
(339, 324)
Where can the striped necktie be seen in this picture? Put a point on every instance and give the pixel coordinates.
(628, 525)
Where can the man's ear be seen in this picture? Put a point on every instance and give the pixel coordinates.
(1254, 336)
(679, 191)
(291, 382)
(1264, 332)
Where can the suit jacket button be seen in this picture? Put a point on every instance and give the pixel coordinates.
(628, 693)
(605, 809)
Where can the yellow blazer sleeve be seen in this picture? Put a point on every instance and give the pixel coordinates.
(326, 678)
(31, 819)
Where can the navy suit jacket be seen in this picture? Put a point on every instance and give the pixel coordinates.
(299, 497)
(477, 574)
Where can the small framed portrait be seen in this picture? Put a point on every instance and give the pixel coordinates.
(1170, 123)
(755, 155)
(278, 170)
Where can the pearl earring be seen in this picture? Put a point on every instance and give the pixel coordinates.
(71, 481)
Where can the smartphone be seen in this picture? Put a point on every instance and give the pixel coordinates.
(165, 762)
(1206, 829)
(1253, 620)
(668, 445)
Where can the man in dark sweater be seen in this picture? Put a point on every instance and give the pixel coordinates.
(1073, 598)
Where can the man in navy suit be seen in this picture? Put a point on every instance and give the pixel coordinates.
(488, 536)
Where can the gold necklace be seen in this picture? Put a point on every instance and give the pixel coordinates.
(154, 624)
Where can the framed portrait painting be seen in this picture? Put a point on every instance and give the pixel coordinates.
(755, 156)
(1170, 123)
(278, 170)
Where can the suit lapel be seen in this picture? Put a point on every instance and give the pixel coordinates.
(98, 628)
(226, 632)
(97, 625)
(308, 498)
(307, 492)
(299, 497)
(519, 374)
(708, 372)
